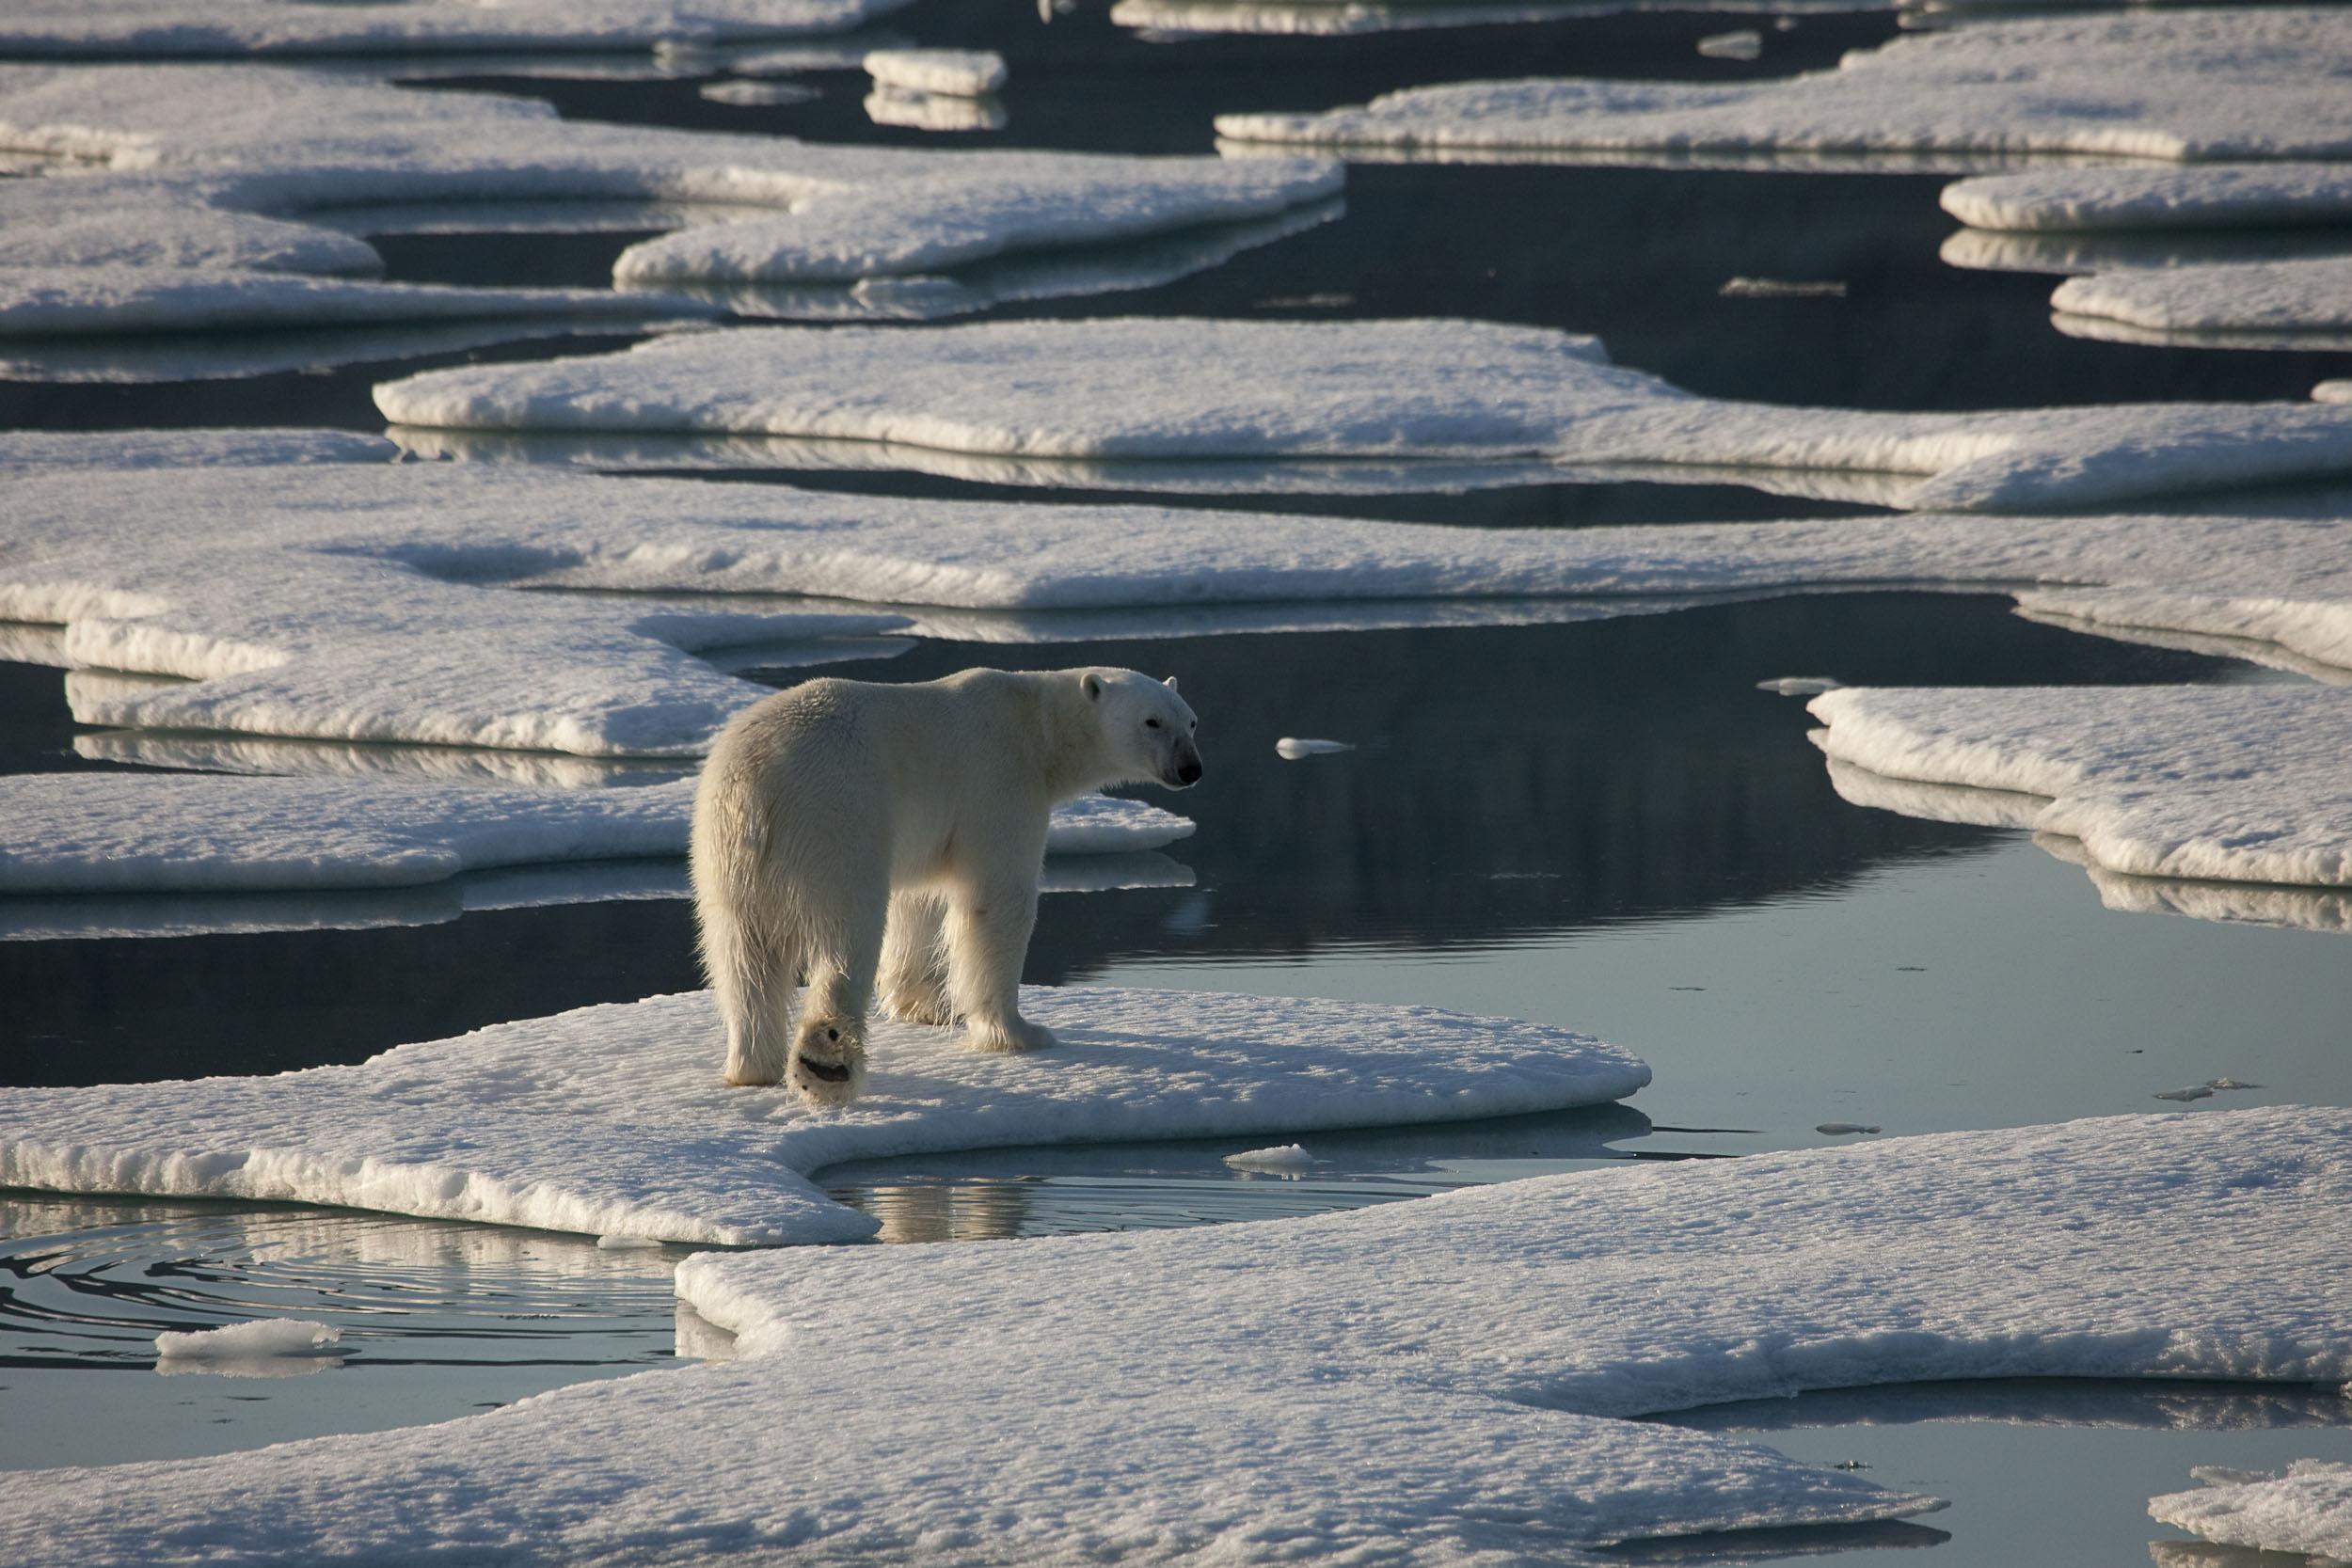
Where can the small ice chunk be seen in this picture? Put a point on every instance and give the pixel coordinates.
(1282, 1159)
(1290, 748)
(621, 1242)
(1745, 44)
(2332, 391)
(1782, 287)
(247, 1341)
(746, 95)
(954, 73)
(2194, 1092)
(1798, 685)
(2229, 1083)
(932, 111)
(1839, 1128)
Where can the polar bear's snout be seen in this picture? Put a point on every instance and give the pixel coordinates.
(1184, 766)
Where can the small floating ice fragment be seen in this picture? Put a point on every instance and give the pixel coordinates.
(621, 1241)
(1782, 287)
(1839, 1128)
(744, 95)
(2332, 391)
(953, 72)
(246, 1341)
(1292, 748)
(1798, 685)
(1745, 44)
(1282, 1159)
(2194, 1092)
(2229, 1083)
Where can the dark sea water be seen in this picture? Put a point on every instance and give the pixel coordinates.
(1598, 822)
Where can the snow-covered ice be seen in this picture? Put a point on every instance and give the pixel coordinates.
(1349, 389)
(261, 1337)
(612, 1120)
(298, 28)
(945, 73)
(1280, 1160)
(1431, 1382)
(351, 600)
(1292, 748)
(107, 299)
(2227, 83)
(183, 832)
(2288, 305)
(2207, 196)
(2240, 783)
(2306, 1509)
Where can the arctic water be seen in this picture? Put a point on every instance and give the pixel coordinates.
(1595, 820)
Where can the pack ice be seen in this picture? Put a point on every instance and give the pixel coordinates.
(2301, 305)
(116, 833)
(223, 198)
(1225, 389)
(1435, 1381)
(612, 1120)
(296, 28)
(2306, 1508)
(2208, 85)
(359, 601)
(2227, 784)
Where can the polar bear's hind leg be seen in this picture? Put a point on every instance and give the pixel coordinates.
(828, 1047)
(915, 959)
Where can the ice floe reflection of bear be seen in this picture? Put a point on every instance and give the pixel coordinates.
(859, 833)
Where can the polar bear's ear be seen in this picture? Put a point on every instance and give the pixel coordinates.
(1169, 683)
(1093, 684)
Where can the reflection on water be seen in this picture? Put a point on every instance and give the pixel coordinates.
(436, 1318)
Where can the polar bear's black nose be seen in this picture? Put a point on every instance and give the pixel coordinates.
(1189, 773)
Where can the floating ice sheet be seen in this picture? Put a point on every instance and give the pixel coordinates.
(263, 1336)
(215, 28)
(1429, 1381)
(115, 833)
(2213, 84)
(952, 73)
(356, 601)
(1230, 389)
(2227, 783)
(2287, 305)
(1176, 19)
(2306, 1509)
(41, 302)
(2228, 195)
(612, 1120)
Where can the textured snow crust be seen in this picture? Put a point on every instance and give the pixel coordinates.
(2227, 195)
(116, 833)
(2227, 83)
(2227, 784)
(356, 601)
(2308, 1508)
(1136, 388)
(1429, 1381)
(296, 28)
(955, 72)
(612, 1120)
(204, 175)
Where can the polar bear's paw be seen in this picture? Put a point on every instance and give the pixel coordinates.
(1007, 1035)
(828, 1064)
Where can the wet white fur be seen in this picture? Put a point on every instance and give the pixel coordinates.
(856, 832)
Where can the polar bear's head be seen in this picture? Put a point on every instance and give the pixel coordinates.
(1149, 731)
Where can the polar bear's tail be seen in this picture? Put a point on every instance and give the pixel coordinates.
(750, 948)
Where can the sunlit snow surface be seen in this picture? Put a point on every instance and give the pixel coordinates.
(612, 1120)
(2308, 1508)
(2241, 83)
(1374, 390)
(2168, 197)
(328, 27)
(1438, 1377)
(958, 73)
(2227, 784)
(2285, 305)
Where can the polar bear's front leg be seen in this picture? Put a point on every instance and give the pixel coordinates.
(915, 960)
(988, 937)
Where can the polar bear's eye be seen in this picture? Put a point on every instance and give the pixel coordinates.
(1151, 723)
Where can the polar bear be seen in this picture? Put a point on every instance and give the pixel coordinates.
(854, 832)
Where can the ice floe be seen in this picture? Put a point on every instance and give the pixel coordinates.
(2287, 305)
(2227, 783)
(1292, 748)
(297, 28)
(1280, 1160)
(757, 94)
(1349, 389)
(947, 72)
(205, 175)
(2098, 201)
(2306, 1509)
(353, 601)
(934, 111)
(2227, 83)
(612, 1120)
(1430, 1382)
(115, 833)
(263, 1336)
